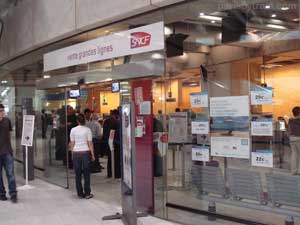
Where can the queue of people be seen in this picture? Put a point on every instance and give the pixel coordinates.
(88, 143)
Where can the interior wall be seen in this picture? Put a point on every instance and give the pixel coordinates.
(112, 100)
(285, 83)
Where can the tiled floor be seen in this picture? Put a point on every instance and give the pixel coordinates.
(48, 204)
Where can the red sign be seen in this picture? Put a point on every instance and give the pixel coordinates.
(139, 39)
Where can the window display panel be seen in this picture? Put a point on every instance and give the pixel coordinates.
(241, 126)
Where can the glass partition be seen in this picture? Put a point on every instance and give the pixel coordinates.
(230, 95)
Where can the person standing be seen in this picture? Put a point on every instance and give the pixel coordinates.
(6, 158)
(294, 133)
(94, 125)
(114, 124)
(81, 145)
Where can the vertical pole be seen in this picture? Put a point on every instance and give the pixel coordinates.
(181, 149)
(289, 220)
(173, 158)
(26, 165)
(113, 161)
(211, 209)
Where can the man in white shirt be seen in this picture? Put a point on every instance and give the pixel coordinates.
(81, 145)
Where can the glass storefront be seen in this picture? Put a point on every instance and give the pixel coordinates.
(220, 108)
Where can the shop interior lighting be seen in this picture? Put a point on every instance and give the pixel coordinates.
(273, 15)
(213, 21)
(215, 18)
(276, 26)
(46, 76)
(157, 56)
(285, 8)
(267, 6)
(201, 14)
(269, 66)
(168, 30)
(4, 82)
(107, 79)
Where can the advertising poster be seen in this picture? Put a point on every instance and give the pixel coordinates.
(230, 114)
(178, 125)
(262, 158)
(126, 137)
(261, 95)
(234, 147)
(262, 127)
(27, 130)
(200, 126)
(199, 99)
(232, 106)
(200, 153)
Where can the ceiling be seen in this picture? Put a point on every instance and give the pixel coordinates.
(5, 5)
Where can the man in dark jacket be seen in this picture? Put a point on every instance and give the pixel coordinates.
(6, 158)
(113, 123)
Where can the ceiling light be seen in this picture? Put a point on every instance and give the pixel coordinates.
(46, 76)
(168, 31)
(202, 14)
(106, 31)
(108, 79)
(183, 56)
(213, 21)
(4, 82)
(296, 20)
(267, 6)
(157, 56)
(276, 26)
(269, 66)
(273, 15)
(285, 8)
(215, 18)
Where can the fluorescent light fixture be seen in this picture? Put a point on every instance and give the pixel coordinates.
(184, 56)
(285, 8)
(46, 76)
(269, 66)
(213, 21)
(273, 15)
(201, 14)
(276, 21)
(108, 79)
(215, 18)
(4, 82)
(276, 26)
(267, 6)
(296, 20)
(157, 56)
(168, 31)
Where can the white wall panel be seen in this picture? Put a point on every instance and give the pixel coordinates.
(52, 19)
(99, 12)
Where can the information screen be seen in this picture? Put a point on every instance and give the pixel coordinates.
(115, 87)
(74, 93)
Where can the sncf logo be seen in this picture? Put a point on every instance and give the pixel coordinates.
(139, 39)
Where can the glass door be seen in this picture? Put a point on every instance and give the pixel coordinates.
(53, 122)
